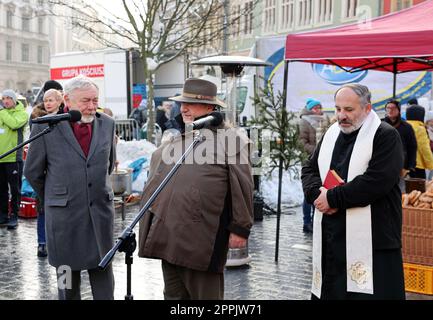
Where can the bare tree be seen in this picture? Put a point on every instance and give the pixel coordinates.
(161, 30)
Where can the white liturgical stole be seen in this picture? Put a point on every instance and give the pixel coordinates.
(359, 248)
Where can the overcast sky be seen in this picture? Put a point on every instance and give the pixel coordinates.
(114, 6)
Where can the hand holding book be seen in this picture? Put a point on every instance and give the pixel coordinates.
(332, 180)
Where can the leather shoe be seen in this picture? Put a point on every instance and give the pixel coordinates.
(13, 223)
(308, 228)
(42, 251)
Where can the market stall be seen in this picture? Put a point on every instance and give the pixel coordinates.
(398, 42)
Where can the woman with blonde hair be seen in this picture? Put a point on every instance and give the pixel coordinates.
(52, 104)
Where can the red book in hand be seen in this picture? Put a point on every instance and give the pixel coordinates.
(332, 180)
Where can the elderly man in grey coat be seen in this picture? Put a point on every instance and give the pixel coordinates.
(69, 169)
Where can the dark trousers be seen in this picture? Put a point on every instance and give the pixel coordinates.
(182, 283)
(41, 221)
(20, 165)
(308, 212)
(388, 278)
(10, 179)
(101, 282)
(418, 173)
(41, 227)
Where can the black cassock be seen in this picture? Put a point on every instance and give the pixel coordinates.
(378, 186)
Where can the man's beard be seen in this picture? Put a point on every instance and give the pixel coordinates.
(87, 118)
(354, 126)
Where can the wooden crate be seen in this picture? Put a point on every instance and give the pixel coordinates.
(418, 236)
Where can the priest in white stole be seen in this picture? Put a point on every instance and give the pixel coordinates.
(357, 225)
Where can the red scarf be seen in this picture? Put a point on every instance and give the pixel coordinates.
(83, 134)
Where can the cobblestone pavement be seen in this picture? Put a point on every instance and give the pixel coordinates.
(25, 276)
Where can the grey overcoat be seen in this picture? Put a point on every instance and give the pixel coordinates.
(77, 193)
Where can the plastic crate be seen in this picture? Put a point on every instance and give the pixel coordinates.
(417, 236)
(28, 208)
(418, 278)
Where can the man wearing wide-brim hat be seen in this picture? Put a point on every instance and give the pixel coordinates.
(202, 95)
(199, 91)
(205, 208)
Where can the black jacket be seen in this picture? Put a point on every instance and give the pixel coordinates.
(377, 187)
(408, 140)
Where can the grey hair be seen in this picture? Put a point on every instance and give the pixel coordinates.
(77, 83)
(53, 92)
(360, 90)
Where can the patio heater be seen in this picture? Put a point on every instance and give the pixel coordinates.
(232, 68)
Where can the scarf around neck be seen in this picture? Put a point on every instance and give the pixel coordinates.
(359, 248)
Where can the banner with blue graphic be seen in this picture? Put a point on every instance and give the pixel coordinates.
(306, 80)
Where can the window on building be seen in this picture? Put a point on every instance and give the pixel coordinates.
(269, 15)
(40, 54)
(350, 8)
(9, 19)
(40, 25)
(25, 52)
(305, 12)
(248, 21)
(8, 50)
(26, 23)
(236, 25)
(407, 3)
(397, 5)
(287, 13)
(324, 13)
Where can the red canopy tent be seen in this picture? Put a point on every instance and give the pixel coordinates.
(397, 42)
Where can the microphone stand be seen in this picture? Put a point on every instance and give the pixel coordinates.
(126, 241)
(45, 131)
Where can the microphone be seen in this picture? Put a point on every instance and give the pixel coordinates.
(213, 119)
(73, 116)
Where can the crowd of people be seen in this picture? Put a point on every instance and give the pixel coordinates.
(76, 210)
(208, 207)
(415, 127)
(357, 224)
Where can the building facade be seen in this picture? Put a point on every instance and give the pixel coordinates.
(30, 32)
(24, 44)
(397, 5)
(67, 37)
(279, 17)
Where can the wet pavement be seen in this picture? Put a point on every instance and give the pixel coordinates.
(25, 276)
